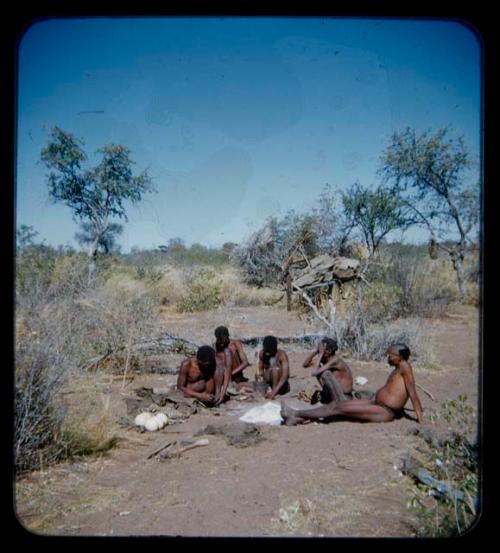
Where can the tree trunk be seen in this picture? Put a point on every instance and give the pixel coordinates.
(457, 260)
(92, 255)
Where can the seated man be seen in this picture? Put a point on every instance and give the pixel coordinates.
(274, 368)
(202, 377)
(238, 359)
(385, 407)
(332, 372)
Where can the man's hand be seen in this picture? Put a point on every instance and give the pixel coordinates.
(269, 395)
(218, 401)
(205, 396)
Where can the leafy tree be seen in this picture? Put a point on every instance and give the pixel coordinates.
(106, 243)
(428, 172)
(94, 195)
(25, 235)
(374, 214)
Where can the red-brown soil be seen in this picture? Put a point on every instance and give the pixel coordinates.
(337, 479)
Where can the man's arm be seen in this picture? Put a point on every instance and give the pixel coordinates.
(243, 358)
(308, 360)
(260, 371)
(182, 383)
(285, 374)
(409, 381)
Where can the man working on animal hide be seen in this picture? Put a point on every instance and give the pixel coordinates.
(274, 368)
(204, 377)
(238, 360)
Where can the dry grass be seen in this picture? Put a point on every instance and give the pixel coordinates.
(203, 287)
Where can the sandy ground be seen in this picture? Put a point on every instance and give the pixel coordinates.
(337, 479)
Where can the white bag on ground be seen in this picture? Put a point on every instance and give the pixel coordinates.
(269, 413)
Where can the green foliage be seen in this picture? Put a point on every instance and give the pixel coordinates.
(428, 172)
(106, 243)
(176, 253)
(203, 291)
(93, 195)
(452, 459)
(374, 213)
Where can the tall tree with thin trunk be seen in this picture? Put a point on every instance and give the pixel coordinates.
(95, 195)
(428, 172)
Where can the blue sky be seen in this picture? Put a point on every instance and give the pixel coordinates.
(235, 118)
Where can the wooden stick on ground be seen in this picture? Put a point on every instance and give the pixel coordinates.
(179, 451)
(426, 391)
(164, 446)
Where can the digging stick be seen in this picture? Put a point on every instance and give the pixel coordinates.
(179, 451)
(426, 391)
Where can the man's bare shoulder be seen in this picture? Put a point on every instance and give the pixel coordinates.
(338, 363)
(405, 367)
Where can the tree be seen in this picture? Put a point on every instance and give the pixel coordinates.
(374, 213)
(106, 243)
(94, 195)
(427, 171)
(25, 235)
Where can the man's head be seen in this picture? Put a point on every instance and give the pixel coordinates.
(270, 346)
(397, 352)
(221, 337)
(206, 358)
(331, 345)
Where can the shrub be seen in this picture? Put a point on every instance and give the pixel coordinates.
(40, 373)
(452, 459)
(115, 316)
(203, 290)
(369, 341)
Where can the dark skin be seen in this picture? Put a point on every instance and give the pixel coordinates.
(277, 377)
(239, 360)
(400, 387)
(224, 361)
(202, 380)
(329, 361)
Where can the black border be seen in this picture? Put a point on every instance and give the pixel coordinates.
(479, 18)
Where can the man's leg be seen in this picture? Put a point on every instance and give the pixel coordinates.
(356, 409)
(332, 390)
(219, 378)
(275, 378)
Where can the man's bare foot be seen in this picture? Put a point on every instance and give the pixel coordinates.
(289, 416)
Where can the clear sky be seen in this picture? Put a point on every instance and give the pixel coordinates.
(235, 118)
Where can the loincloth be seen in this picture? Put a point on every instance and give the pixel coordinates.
(396, 413)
